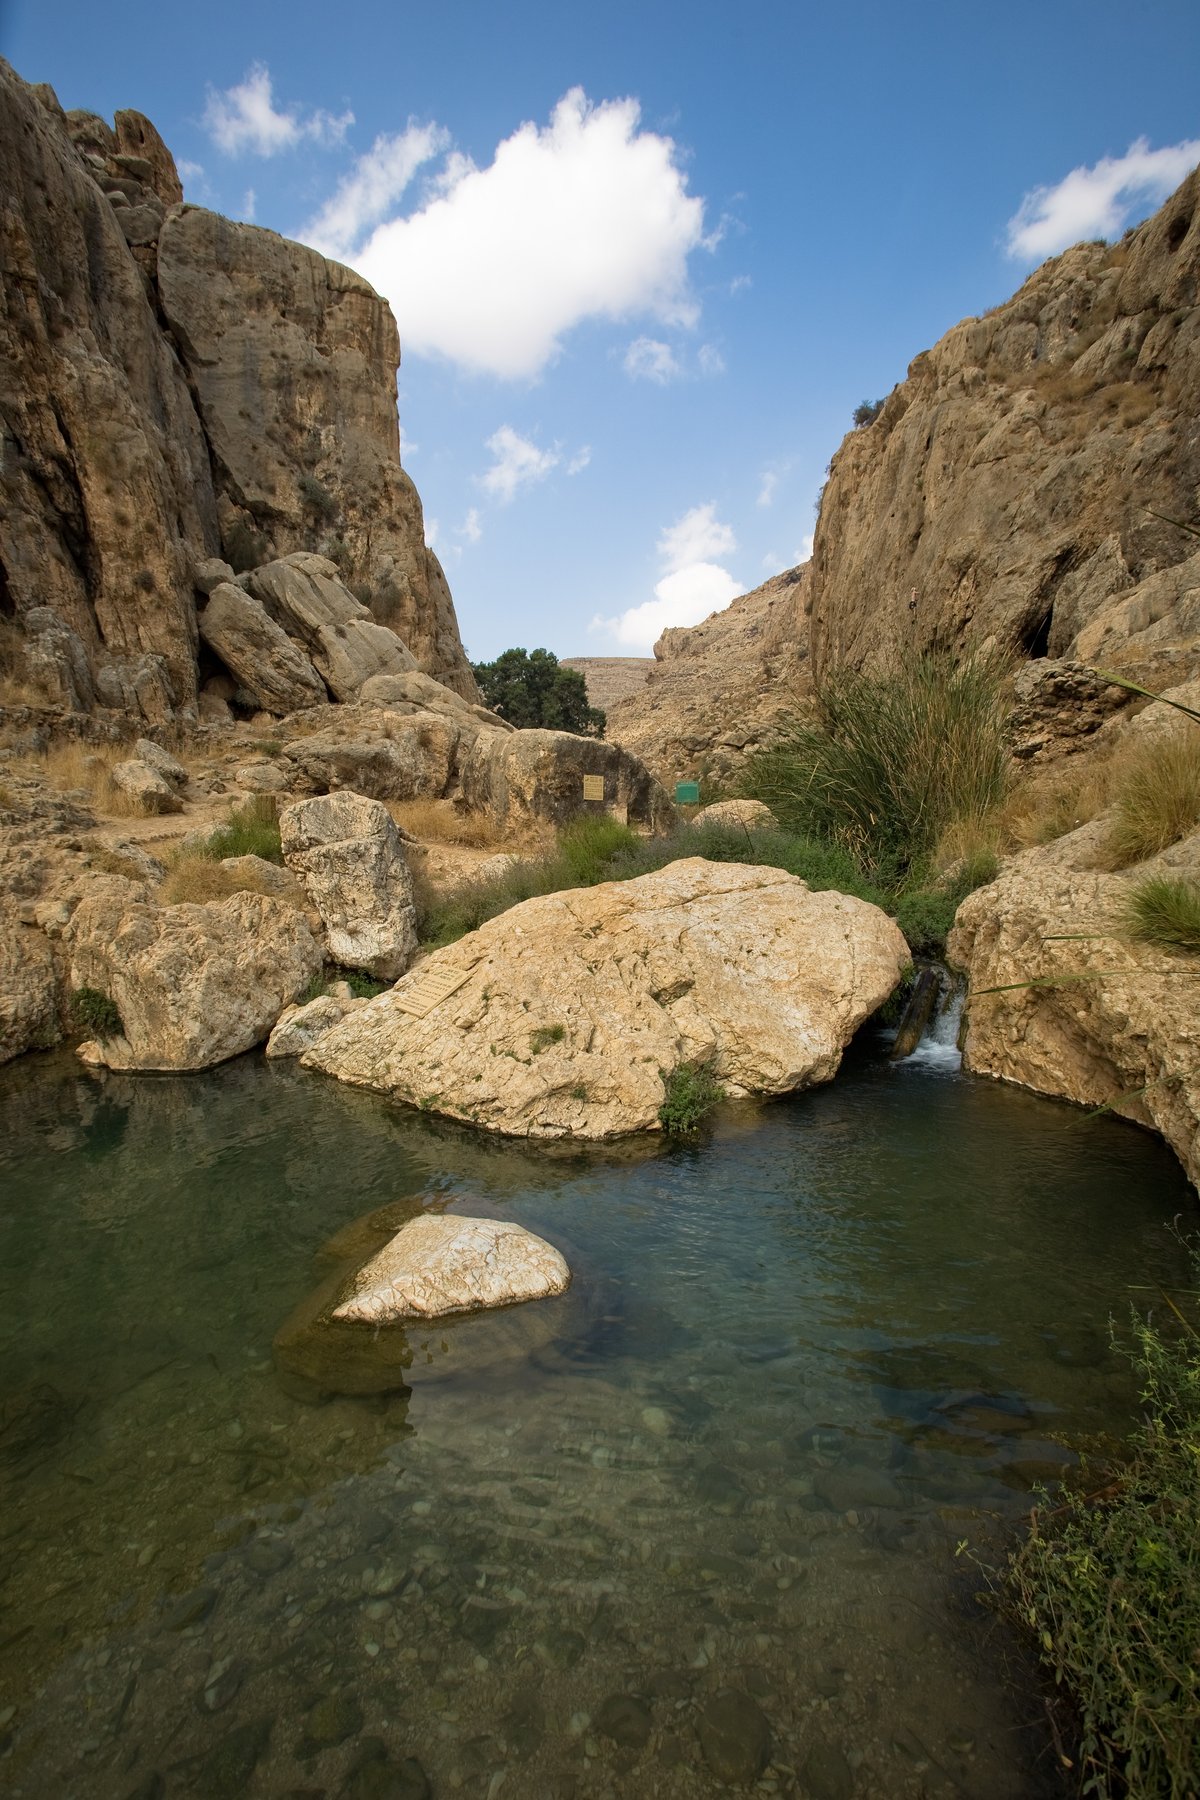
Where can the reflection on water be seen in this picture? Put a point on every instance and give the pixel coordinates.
(691, 1525)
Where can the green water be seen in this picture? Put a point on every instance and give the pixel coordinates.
(692, 1523)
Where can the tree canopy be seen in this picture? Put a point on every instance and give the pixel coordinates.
(531, 689)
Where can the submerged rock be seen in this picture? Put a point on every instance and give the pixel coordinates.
(435, 1266)
(564, 1015)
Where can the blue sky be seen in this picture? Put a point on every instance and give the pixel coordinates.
(646, 259)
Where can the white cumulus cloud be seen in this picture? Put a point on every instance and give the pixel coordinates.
(368, 193)
(586, 217)
(1098, 201)
(517, 463)
(696, 537)
(649, 359)
(472, 527)
(692, 586)
(245, 117)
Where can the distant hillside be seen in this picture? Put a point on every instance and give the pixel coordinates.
(610, 678)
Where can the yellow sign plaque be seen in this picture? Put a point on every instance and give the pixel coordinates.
(429, 989)
(593, 787)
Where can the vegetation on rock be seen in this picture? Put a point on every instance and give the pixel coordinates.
(252, 830)
(1157, 798)
(1107, 1583)
(96, 1012)
(531, 689)
(692, 1094)
(867, 411)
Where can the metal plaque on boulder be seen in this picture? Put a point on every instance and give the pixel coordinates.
(429, 990)
(687, 793)
(593, 787)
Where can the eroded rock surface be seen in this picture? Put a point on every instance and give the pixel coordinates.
(1083, 1012)
(564, 1015)
(348, 854)
(193, 985)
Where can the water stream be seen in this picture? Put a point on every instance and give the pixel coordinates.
(693, 1524)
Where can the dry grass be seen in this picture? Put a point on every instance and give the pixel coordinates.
(72, 767)
(1157, 798)
(1043, 804)
(441, 822)
(196, 880)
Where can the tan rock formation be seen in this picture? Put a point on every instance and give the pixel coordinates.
(347, 852)
(299, 1027)
(437, 1266)
(746, 815)
(1005, 490)
(1061, 1001)
(541, 775)
(563, 1016)
(294, 362)
(116, 482)
(272, 671)
(610, 678)
(721, 689)
(348, 647)
(194, 985)
(29, 989)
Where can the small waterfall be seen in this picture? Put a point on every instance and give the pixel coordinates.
(938, 1046)
(938, 1049)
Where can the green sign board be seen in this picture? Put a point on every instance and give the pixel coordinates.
(687, 793)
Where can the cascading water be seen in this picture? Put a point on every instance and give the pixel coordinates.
(938, 1047)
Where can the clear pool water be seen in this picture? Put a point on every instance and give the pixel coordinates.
(692, 1525)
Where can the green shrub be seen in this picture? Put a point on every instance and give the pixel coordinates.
(1108, 1584)
(96, 1013)
(925, 916)
(531, 689)
(867, 411)
(691, 1094)
(544, 1036)
(892, 760)
(251, 830)
(589, 844)
(1164, 911)
(362, 987)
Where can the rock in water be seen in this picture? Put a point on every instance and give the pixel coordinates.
(435, 1266)
(348, 853)
(563, 1015)
(735, 1738)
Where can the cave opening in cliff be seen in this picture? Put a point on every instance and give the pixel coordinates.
(1034, 637)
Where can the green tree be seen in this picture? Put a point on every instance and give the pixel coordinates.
(531, 689)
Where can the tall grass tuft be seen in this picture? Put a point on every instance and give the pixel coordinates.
(893, 759)
(252, 829)
(1157, 798)
(1160, 910)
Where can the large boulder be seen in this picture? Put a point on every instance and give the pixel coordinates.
(1061, 1001)
(306, 596)
(565, 1015)
(347, 852)
(193, 985)
(540, 775)
(387, 755)
(269, 667)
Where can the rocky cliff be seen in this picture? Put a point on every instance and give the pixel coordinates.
(718, 690)
(173, 387)
(1009, 487)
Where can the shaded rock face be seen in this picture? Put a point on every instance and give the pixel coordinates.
(541, 775)
(29, 990)
(1112, 1021)
(348, 853)
(721, 689)
(261, 420)
(1006, 488)
(194, 985)
(564, 1015)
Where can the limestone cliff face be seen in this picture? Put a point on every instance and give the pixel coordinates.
(1007, 489)
(174, 387)
(719, 689)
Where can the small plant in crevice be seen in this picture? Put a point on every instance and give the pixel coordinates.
(96, 1013)
(544, 1036)
(691, 1094)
